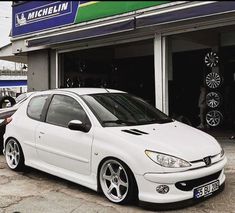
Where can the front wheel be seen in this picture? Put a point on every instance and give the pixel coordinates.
(14, 155)
(117, 182)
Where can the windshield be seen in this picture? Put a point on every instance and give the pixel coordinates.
(21, 97)
(122, 109)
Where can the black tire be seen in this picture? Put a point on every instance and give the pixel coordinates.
(13, 148)
(131, 194)
(9, 98)
(2, 132)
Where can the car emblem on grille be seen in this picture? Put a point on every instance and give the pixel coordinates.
(207, 161)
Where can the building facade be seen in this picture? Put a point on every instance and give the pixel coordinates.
(162, 51)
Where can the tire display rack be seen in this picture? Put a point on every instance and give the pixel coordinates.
(213, 81)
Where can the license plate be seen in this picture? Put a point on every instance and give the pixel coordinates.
(206, 190)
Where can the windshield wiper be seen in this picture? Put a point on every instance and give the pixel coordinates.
(118, 122)
(161, 120)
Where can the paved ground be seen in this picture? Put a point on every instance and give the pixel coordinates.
(38, 192)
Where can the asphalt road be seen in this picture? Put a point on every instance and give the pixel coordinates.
(37, 192)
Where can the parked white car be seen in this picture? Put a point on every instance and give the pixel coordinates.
(112, 141)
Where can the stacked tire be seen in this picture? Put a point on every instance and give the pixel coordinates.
(213, 80)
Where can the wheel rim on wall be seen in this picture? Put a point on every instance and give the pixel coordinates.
(213, 80)
(213, 99)
(214, 118)
(211, 59)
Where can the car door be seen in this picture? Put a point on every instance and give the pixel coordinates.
(25, 126)
(59, 146)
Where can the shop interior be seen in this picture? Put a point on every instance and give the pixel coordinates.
(128, 67)
(206, 59)
(196, 59)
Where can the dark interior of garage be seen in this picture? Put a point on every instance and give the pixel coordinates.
(189, 71)
(119, 67)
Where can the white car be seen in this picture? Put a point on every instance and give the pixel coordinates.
(112, 141)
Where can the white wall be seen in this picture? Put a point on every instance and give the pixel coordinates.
(38, 70)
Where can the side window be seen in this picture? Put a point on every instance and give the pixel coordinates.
(63, 109)
(35, 106)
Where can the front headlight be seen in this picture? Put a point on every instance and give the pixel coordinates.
(167, 160)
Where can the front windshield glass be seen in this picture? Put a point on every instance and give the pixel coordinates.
(20, 97)
(122, 109)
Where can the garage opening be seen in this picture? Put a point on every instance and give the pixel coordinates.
(205, 59)
(128, 67)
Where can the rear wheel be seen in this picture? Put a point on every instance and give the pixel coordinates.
(14, 155)
(2, 132)
(117, 182)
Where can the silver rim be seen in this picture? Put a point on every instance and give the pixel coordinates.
(213, 118)
(12, 154)
(213, 99)
(213, 80)
(211, 59)
(114, 181)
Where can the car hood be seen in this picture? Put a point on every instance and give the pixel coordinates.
(172, 138)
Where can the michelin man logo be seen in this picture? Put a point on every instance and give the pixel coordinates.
(22, 20)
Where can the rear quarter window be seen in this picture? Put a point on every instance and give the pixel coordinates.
(35, 107)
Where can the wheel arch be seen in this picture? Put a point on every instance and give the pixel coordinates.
(115, 158)
(5, 142)
(19, 164)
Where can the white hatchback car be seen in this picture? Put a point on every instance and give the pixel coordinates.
(112, 141)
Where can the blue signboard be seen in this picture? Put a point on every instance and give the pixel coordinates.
(35, 16)
(12, 83)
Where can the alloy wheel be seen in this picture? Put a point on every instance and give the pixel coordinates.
(211, 59)
(213, 99)
(114, 181)
(213, 80)
(13, 154)
(214, 118)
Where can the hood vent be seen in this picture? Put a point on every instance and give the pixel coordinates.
(141, 132)
(135, 132)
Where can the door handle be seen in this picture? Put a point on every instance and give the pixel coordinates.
(40, 133)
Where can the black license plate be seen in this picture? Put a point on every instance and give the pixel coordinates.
(206, 190)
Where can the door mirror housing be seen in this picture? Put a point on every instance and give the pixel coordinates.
(79, 126)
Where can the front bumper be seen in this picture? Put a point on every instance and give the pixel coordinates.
(148, 182)
(177, 205)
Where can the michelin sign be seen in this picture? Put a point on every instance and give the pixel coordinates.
(36, 16)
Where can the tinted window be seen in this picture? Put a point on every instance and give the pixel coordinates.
(63, 109)
(122, 109)
(35, 107)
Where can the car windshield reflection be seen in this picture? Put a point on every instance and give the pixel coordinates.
(121, 109)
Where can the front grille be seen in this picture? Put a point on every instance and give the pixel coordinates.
(188, 185)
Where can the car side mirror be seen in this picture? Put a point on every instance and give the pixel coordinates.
(78, 125)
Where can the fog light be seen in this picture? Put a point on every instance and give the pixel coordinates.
(162, 189)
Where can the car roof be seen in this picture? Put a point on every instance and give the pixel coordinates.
(88, 91)
(82, 91)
